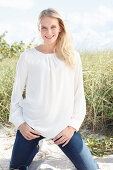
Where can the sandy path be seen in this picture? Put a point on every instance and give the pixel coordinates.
(49, 157)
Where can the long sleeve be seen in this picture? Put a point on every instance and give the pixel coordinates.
(15, 116)
(79, 110)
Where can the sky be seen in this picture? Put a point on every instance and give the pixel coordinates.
(89, 21)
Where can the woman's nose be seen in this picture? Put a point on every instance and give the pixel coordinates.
(49, 31)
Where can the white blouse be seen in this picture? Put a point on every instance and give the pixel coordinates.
(54, 93)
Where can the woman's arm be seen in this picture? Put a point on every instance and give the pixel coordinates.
(79, 110)
(15, 116)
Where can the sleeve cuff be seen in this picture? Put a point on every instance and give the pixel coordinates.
(16, 118)
(74, 124)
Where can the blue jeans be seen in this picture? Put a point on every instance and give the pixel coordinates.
(76, 150)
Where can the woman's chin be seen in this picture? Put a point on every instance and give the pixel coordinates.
(49, 41)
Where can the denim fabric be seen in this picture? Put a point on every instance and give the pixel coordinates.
(76, 150)
(23, 152)
(78, 153)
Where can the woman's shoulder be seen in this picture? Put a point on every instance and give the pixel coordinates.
(26, 56)
(28, 53)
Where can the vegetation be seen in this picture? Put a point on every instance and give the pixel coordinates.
(97, 74)
(100, 147)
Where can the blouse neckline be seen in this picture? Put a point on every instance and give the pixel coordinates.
(46, 54)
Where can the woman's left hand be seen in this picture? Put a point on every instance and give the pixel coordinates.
(65, 136)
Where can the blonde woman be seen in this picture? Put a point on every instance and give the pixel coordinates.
(54, 106)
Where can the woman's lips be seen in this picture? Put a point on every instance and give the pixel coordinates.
(49, 37)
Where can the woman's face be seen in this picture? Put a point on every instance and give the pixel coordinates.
(50, 29)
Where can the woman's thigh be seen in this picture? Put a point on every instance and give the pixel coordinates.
(23, 151)
(77, 151)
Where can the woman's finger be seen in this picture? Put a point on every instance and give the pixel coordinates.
(58, 136)
(63, 140)
(59, 141)
(33, 136)
(28, 138)
(34, 131)
(65, 143)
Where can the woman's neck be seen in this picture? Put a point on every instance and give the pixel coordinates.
(46, 48)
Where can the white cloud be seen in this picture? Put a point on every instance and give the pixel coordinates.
(106, 12)
(86, 39)
(91, 20)
(20, 4)
(27, 26)
(24, 31)
(6, 27)
(107, 39)
(90, 39)
(74, 17)
(88, 20)
(92, 30)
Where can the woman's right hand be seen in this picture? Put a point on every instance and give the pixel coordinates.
(28, 132)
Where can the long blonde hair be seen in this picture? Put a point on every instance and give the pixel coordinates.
(63, 48)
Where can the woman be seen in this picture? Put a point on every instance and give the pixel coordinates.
(54, 106)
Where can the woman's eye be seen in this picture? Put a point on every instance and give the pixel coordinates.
(53, 27)
(43, 28)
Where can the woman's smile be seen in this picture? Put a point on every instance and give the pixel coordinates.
(49, 37)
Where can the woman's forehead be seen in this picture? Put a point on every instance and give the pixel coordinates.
(49, 20)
